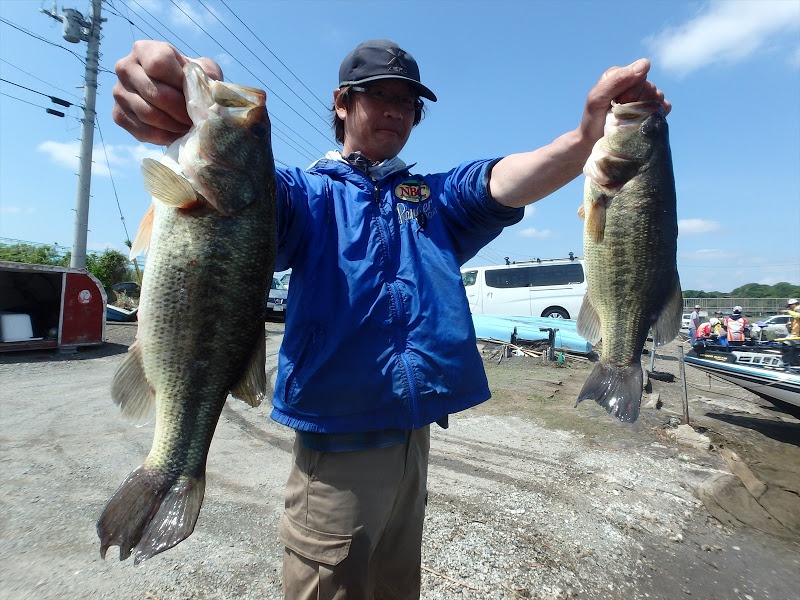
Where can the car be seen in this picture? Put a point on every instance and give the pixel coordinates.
(275, 304)
(129, 288)
(770, 328)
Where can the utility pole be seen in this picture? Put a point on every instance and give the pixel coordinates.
(76, 29)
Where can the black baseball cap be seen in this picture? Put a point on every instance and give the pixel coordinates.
(381, 59)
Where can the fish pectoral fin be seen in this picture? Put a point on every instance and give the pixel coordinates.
(131, 390)
(594, 211)
(588, 324)
(165, 184)
(252, 387)
(582, 212)
(669, 320)
(151, 512)
(141, 243)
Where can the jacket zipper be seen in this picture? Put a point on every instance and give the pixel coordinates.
(397, 305)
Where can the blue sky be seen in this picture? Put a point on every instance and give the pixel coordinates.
(510, 76)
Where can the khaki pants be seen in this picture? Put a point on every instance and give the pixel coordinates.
(353, 522)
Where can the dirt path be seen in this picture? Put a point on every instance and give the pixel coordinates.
(529, 497)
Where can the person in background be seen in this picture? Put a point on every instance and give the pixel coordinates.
(792, 311)
(706, 330)
(379, 342)
(694, 323)
(719, 329)
(735, 327)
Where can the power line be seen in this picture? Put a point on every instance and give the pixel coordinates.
(258, 58)
(273, 92)
(113, 185)
(38, 79)
(53, 99)
(40, 38)
(273, 117)
(50, 111)
(275, 56)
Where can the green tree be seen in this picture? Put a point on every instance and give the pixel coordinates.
(109, 267)
(32, 254)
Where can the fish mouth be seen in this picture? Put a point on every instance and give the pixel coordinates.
(631, 114)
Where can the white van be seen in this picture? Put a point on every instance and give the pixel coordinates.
(539, 288)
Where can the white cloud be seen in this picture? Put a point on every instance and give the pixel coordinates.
(729, 31)
(188, 15)
(122, 157)
(532, 232)
(697, 226)
(17, 210)
(708, 254)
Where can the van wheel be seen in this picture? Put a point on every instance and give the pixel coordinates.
(555, 312)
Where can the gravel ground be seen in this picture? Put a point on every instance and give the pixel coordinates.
(529, 497)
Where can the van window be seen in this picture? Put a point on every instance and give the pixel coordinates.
(508, 278)
(542, 275)
(469, 278)
(557, 274)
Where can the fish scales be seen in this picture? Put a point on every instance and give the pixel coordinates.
(630, 244)
(211, 233)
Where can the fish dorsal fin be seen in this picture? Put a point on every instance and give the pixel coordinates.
(252, 387)
(669, 321)
(588, 324)
(165, 184)
(141, 242)
(130, 389)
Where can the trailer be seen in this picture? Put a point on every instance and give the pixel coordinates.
(47, 306)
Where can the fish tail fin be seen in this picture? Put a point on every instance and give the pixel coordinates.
(150, 512)
(617, 389)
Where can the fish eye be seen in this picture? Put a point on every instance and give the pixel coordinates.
(648, 128)
(259, 130)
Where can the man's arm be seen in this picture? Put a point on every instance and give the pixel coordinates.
(521, 179)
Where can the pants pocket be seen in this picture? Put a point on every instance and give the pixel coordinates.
(319, 546)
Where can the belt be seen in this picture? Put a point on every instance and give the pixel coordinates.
(346, 442)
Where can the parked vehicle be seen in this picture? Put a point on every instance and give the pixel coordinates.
(542, 288)
(130, 288)
(276, 299)
(770, 328)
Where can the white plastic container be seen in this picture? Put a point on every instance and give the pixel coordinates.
(15, 327)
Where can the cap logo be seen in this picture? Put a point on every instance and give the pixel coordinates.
(396, 63)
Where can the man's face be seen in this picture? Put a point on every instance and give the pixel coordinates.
(378, 128)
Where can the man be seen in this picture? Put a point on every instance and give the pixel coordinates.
(694, 323)
(379, 342)
(791, 309)
(735, 327)
(706, 329)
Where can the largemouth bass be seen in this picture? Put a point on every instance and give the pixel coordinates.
(211, 239)
(630, 242)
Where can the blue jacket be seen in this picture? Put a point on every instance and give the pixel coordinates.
(378, 329)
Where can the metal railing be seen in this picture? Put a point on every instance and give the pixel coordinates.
(754, 307)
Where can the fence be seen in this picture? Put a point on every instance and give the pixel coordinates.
(754, 307)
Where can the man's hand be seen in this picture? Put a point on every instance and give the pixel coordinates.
(623, 84)
(148, 98)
